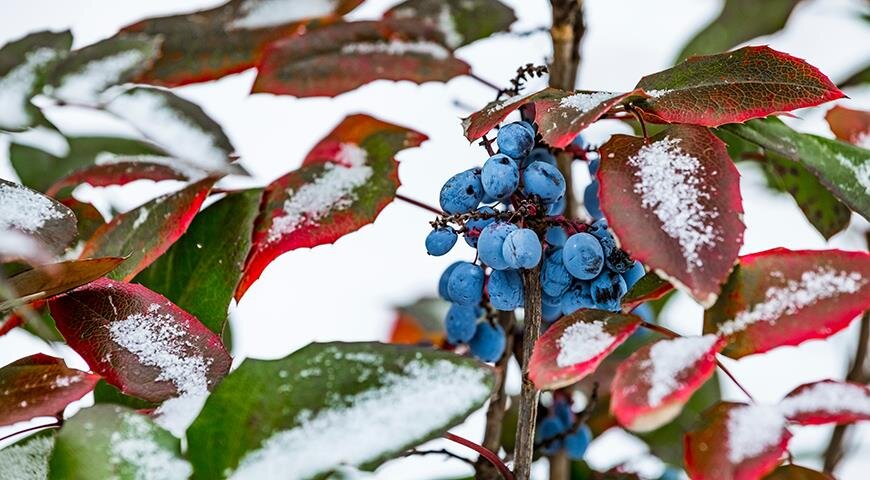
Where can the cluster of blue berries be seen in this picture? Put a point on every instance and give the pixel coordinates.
(511, 211)
(558, 431)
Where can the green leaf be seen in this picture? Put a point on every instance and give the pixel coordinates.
(200, 272)
(460, 21)
(38, 169)
(820, 207)
(27, 459)
(842, 168)
(24, 64)
(739, 21)
(109, 441)
(858, 78)
(357, 404)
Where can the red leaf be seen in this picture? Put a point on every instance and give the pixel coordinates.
(652, 385)
(340, 57)
(827, 401)
(561, 115)
(479, 123)
(139, 341)
(650, 287)
(122, 172)
(736, 442)
(732, 87)
(45, 281)
(851, 126)
(674, 203)
(40, 386)
(574, 346)
(783, 297)
(145, 232)
(343, 184)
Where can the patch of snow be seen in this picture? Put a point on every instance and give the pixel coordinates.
(192, 173)
(25, 210)
(141, 218)
(43, 138)
(669, 184)
(584, 102)
(332, 191)
(447, 26)
(582, 342)
(814, 285)
(256, 14)
(63, 382)
(861, 171)
(26, 461)
(751, 430)
(657, 93)
(862, 139)
(16, 87)
(827, 397)
(405, 408)
(134, 446)
(397, 47)
(669, 358)
(86, 85)
(18, 245)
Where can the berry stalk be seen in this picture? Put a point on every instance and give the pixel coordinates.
(529, 395)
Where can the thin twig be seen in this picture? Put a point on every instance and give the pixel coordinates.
(55, 424)
(525, 444)
(485, 82)
(443, 451)
(420, 204)
(492, 457)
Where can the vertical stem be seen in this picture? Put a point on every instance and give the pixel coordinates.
(529, 395)
(560, 466)
(485, 470)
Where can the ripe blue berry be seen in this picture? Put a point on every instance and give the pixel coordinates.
(445, 278)
(607, 290)
(543, 180)
(579, 141)
(440, 241)
(515, 140)
(550, 313)
(562, 410)
(601, 230)
(465, 286)
(583, 256)
(549, 428)
(555, 278)
(475, 226)
(500, 177)
(529, 126)
(505, 290)
(576, 297)
(488, 342)
(522, 249)
(591, 202)
(593, 165)
(462, 192)
(556, 236)
(635, 273)
(577, 442)
(461, 322)
(557, 207)
(490, 243)
(539, 154)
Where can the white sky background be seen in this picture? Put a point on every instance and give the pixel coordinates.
(345, 291)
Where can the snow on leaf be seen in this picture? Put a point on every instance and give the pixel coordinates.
(479, 123)
(27, 459)
(345, 181)
(561, 115)
(258, 14)
(827, 402)
(674, 202)
(27, 213)
(40, 386)
(652, 385)
(460, 21)
(575, 345)
(781, 297)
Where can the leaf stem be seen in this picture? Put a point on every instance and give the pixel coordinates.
(489, 455)
(485, 82)
(524, 449)
(55, 424)
(420, 204)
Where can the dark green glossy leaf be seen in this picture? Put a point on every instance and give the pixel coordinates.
(374, 400)
(460, 21)
(200, 272)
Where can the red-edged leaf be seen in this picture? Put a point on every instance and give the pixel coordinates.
(340, 57)
(139, 341)
(145, 232)
(650, 287)
(460, 21)
(89, 218)
(479, 123)
(732, 87)
(32, 226)
(561, 115)
(736, 442)
(827, 401)
(209, 44)
(652, 385)
(46, 281)
(40, 386)
(674, 203)
(574, 346)
(851, 126)
(344, 182)
(421, 322)
(123, 171)
(782, 297)
(797, 472)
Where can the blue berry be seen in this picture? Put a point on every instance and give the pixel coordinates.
(576, 297)
(579, 141)
(577, 442)
(607, 290)
(539, 154)
(465, 286)
(440, 241)
(583, 256)
(461, 322)
(500, 177)
(529, 126)
(557, 207)
(445, 277)
(591, 202)
(593, 165)
(543, 180)
(488, 342)
(522, 249)
(671, 473)
(601, 230)
(549, 428)
(490, 243)
(505, 290)
(462, 192)
(556, 236)
(555, 278)
(635, 273)
(563, 412)
(645, 312)
(515, 140)
(551, 313)
(475, 226)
